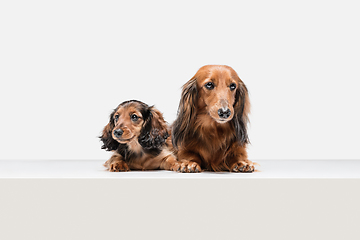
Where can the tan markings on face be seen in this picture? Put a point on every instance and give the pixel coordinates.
(216, 94)
(128, 119)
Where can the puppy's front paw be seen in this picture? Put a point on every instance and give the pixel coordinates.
(189, 167)
(118, 166)
(245, 166)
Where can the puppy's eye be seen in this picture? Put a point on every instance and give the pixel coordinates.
(134, 117)
(232, 86)
(116, 118)
(210, 85)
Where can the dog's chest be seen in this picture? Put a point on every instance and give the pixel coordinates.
(213, 146)
(135, 147)
(216, 138)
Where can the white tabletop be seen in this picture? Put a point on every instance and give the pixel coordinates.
(272, 169)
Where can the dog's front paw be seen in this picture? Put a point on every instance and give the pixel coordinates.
(175, 166)
(118, 166)
(189, 167)
(245, 166)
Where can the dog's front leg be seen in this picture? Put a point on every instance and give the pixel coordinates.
(238, 160)
(189, 162)
(116, 164)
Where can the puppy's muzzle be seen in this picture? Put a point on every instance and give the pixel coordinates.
(118, 133)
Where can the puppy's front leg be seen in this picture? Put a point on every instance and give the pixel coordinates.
(116, 164)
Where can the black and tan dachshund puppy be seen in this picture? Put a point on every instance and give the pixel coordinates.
(139, 138)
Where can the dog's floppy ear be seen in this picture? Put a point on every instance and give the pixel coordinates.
(109, 143)
(154, 131)
(242, 110)
(186, 113)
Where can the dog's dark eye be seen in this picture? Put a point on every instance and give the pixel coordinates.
(116, 118)
(134, 117)
(232, 86)
(210, 85)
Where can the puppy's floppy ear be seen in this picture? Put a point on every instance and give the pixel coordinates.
(109, 143)
(242, 110)
(154, 131)
(186, 113)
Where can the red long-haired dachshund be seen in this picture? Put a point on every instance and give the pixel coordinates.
(138, 136)
(210, 131)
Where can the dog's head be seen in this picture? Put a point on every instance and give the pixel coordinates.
(219, 89)
(134, 121)
(216, 91)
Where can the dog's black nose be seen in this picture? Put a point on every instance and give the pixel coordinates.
(118, 133)
(224, 113)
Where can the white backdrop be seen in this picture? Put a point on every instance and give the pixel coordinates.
(64, 65)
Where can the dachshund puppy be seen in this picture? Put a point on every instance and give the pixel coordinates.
(210, 131)
(138, 136)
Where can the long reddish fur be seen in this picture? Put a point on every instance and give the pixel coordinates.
(199, 139)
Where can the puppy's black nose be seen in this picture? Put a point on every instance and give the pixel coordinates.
(118, 133)
(224, 113)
